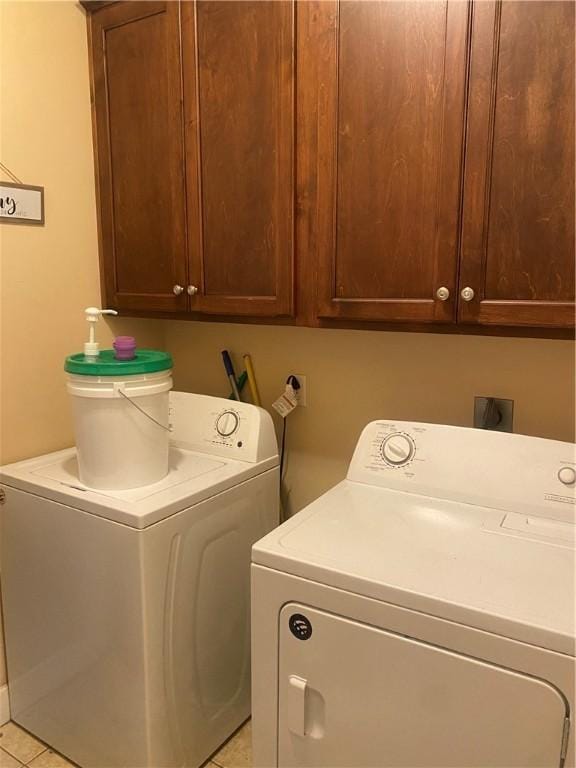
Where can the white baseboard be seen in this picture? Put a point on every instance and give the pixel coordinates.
(4, 705)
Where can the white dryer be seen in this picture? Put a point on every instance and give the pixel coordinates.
(127, 612)
(421, 613)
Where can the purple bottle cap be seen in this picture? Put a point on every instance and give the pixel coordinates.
(124, 347)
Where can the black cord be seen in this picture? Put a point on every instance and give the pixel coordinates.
(293, 381)
(281, 478)
(295, 384)
(282, 450)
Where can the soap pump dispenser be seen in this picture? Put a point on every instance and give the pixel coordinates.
(92, 347)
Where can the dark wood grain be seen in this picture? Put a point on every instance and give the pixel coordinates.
(239, 93)
(462, 329)
(518, 215)
(350, 182)
(315, 30)
(391, 143)
(140, 165)
(96, 5)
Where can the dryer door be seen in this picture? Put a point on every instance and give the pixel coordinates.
(354, 695)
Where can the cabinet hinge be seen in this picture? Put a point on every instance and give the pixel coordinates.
(2, 496)
(565, 734)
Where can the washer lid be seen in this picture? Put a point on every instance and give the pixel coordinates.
(456, 561)
(193, 477)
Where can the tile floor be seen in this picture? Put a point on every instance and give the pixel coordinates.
(237, 752)
(18, 748)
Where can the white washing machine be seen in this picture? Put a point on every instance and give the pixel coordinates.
(127, 612)
(421, 613)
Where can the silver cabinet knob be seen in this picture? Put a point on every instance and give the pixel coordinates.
(467, 293)
(177, 290)
(443, 293)
(192, 290)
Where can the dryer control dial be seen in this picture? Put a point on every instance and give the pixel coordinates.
(227, 423)
(567, 475)
(398, 449)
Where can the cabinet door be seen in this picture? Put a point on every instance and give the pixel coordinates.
(390, 117)
(139, 149)
(238, 93)
(518, 213)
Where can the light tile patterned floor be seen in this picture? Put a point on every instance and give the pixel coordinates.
(19, 748)
(237, 752)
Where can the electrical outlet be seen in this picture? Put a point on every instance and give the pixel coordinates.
(302, 393)
(493, 413)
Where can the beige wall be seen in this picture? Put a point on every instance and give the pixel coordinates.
(356, 376)
(49, 274)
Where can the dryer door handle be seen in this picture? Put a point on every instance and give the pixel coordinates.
(297, 705)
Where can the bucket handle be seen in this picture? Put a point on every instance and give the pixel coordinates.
(162, 426)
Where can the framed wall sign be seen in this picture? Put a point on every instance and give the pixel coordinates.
(21, 203)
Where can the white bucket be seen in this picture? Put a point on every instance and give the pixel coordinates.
(121, 426)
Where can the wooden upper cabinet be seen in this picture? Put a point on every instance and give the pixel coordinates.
(391, 90)
(238, 62)
(139, 152)
(518, 212)
(414, 159)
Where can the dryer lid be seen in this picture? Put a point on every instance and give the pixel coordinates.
(448, 559)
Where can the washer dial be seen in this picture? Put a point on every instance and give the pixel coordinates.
(398, 449)
(227, 423)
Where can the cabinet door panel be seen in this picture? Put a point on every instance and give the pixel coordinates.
(518, 215)
(390, 145)
(138, 133)
(238, 74)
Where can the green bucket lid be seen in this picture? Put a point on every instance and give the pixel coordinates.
(106, 364)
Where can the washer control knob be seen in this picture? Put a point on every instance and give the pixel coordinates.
(398, 449)
(227, 423)
(567, 475)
